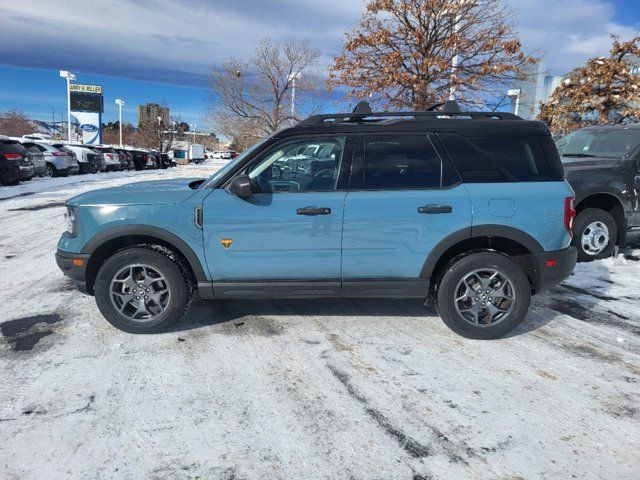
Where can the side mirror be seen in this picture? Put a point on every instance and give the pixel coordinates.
(636, 182)
(241, 186)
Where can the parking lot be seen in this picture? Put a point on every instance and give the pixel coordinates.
(353, 389)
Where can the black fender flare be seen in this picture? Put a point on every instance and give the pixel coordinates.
(124, 231)
(481, 231)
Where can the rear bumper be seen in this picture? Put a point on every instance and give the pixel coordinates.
(554, 267)
(27, 171)
(76, 272)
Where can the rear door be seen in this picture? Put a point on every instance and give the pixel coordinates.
(404, 198)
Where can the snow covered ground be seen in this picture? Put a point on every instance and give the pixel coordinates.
(371, 389)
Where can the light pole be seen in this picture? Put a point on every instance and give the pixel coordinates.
(120, 104)
(514, 94)
(193, 126)
(455, 61)
(292, 79)
(70, 77)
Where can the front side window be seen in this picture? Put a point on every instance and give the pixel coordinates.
(301, 165)
(395, 162)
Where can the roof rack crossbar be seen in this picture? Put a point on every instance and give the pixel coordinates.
(355, 117)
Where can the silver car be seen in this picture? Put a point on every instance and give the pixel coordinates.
(58, 163)
(37, 157)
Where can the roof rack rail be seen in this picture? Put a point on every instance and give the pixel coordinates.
(362, 113)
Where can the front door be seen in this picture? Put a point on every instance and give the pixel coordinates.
(290, 229)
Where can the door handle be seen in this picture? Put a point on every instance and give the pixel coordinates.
(314, 211)
(435, 209)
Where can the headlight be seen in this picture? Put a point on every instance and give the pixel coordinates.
(70, 220)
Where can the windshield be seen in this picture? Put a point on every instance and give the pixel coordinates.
(608, 143)
(229, 166)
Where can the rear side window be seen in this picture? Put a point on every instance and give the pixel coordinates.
(11, 146)
(500, 159)
(396, 162)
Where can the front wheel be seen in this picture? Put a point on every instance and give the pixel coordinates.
(50, 171)
(594, 234)
(483, 295)
(143, 290)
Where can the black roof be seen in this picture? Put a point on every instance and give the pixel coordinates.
(450, 119)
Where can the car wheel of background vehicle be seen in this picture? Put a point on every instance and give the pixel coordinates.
(94, 168)
(483, 295)
(143, 289)
(595, 234)
(50, 171)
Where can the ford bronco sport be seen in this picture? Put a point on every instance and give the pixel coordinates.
(469, 208)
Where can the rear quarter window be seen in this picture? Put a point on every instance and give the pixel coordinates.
(499, 159)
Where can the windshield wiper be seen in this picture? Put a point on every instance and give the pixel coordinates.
(579, 155)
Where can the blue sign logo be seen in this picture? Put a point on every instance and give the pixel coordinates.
(88, 127)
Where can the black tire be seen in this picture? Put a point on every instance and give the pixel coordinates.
(460, 268)
(164, 262)
(51, 171)
(581, 225)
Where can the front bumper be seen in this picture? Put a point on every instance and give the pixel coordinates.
(70, 265)
(554, 267)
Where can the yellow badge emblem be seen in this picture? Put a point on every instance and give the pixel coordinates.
(226, 242)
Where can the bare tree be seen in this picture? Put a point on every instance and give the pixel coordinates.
(414, 53)
(253, 99)
(15, 123)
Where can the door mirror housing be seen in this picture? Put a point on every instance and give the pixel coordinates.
(240, 186)
(636, 182)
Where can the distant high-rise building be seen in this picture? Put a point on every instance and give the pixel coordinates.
(535, 89)
(149, 113)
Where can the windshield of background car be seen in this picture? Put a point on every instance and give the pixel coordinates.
(231, 165)
(608, 143)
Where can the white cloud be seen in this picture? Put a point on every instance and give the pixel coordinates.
(179, 41)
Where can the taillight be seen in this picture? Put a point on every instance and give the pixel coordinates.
(569, 213)
(13, 156)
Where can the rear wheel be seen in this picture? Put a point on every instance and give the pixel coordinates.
(50, 171)
(595, 234)
(483, 295)
(143, 290)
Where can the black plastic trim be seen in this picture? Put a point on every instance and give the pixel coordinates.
(565, 261)
(75, 273)
(149, 231)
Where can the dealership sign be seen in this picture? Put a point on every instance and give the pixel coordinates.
(87, 105)
(76, 87)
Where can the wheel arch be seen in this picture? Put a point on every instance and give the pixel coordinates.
(609, 203)
(510, 241)
(106, 243)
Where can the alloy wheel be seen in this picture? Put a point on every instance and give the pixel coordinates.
(140, 292)
(484, 297)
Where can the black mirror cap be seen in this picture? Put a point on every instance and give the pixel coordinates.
(241, 186)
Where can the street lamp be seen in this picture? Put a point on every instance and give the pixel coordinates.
(455, 61)
(120, 104)
(292, 79)
(514, 95)
(70, 78)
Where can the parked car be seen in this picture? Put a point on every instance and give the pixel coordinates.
(41, 137)
(125, 158)
(471, 209)
(111, 157)
(222, 154)
(602, 164)
(139, 159)
(165, 161)
(37, 157)
(90, 161)
(14, 162)
(58, 163)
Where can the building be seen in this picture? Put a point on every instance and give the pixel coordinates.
(535, 89)
(149, 113)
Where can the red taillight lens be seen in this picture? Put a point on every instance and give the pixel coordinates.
(60, 154)
(569, 213)
(12, 156)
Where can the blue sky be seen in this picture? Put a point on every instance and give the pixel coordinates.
(153, 50)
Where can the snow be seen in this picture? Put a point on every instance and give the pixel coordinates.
(306, 389)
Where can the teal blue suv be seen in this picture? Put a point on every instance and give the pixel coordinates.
(470, 209)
